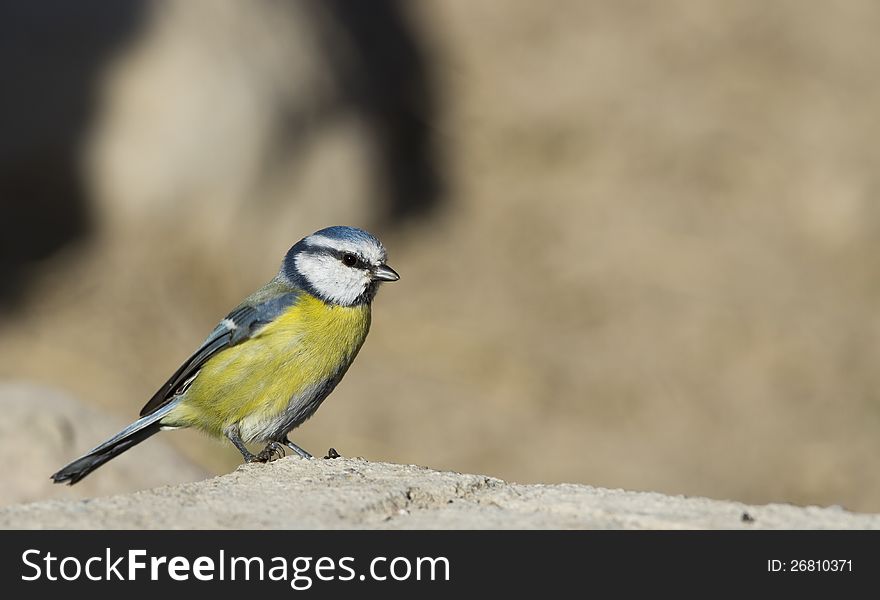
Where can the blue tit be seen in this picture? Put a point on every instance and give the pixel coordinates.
(266, 367)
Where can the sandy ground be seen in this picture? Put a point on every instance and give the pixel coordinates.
(657, 268)
(354, 493)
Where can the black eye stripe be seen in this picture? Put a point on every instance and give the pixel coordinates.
(340, 255)
(349, 259)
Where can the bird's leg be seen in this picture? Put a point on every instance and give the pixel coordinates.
(272, 451)
(302, 453)
(235, 437)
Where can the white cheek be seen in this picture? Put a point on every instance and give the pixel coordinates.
(331, 278)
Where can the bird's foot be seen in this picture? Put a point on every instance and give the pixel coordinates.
(302, 453)
(272, 451)
(332, 453)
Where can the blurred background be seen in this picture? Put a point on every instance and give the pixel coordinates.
(638, 240)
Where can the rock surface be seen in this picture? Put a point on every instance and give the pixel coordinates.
(354, 493)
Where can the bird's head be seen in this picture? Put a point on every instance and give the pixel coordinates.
(340, 265)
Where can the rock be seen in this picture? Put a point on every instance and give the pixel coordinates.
(43, 429)
(354, 493)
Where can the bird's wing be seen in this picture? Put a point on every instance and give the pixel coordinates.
(239, 325)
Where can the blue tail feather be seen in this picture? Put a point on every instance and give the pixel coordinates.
(127, 438)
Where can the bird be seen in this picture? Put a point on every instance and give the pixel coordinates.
(270, 363)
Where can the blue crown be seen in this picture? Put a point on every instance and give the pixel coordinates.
(351, 234)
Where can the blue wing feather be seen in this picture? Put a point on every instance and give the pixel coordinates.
(238, 326)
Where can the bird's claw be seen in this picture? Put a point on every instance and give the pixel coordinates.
(272, 451)
(302, 453)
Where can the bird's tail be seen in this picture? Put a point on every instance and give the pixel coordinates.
(131, 436)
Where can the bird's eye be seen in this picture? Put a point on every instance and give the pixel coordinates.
(349, 260)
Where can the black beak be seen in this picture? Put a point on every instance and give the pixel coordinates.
(385, 273)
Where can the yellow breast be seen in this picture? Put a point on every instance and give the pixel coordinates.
(253, 383)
